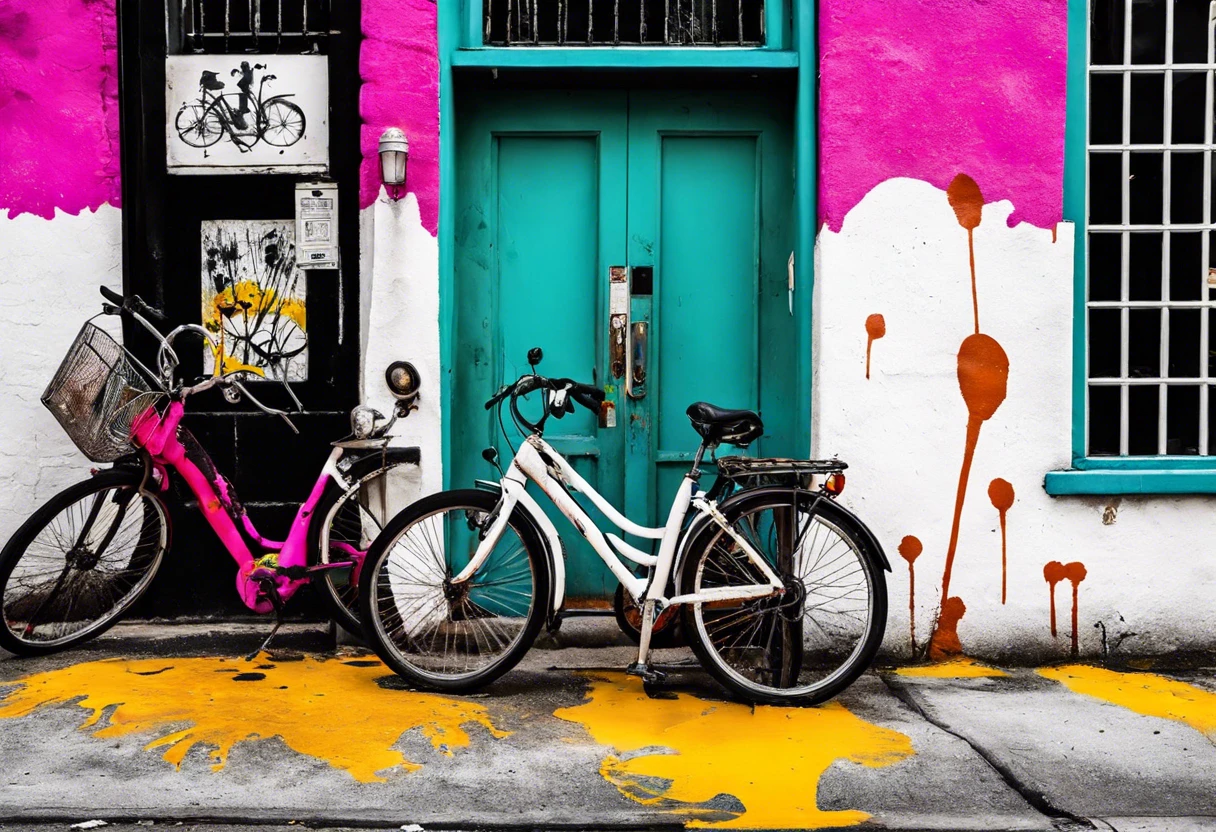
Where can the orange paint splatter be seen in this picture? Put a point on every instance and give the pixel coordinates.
(1053, 573)
(983, 374)
(1000, 492)
(876, 327)
(909, 549)
(968, 204)
(945, 644)
(1075, 573)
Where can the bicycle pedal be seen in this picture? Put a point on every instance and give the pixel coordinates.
(650, 675)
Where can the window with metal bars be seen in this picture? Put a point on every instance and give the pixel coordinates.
(623, 22)
(253, 26)
(1151, 281)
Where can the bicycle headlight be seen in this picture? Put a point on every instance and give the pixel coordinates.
(363, 421)
(402, 380)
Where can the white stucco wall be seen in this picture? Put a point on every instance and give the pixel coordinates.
(400, 316)
(51, 271)
(902, 253)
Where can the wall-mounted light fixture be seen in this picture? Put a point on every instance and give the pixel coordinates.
(394, 153)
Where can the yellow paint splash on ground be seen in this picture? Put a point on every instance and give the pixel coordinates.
(1144, 693)
(331, 710)
(962, 668)
(681, 753)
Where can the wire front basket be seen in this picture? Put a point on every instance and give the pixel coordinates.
(97, 393)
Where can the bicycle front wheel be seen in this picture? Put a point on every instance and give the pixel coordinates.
(80, 562)
(347, 521)
(446, 636)
(282, 123)
(813, 640)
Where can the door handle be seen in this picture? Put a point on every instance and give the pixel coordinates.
(638, 337)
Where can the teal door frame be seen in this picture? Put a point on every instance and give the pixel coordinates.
(801, 59)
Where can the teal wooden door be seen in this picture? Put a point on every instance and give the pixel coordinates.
(691, 193)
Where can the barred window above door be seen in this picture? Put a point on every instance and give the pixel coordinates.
(1151, 287)
(624, 22)
(254, 26)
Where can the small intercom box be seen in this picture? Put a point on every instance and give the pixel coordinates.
(317, 225)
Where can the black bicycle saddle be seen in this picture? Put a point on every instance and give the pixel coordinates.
(718, 424)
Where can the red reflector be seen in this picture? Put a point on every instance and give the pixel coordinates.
(834, 484)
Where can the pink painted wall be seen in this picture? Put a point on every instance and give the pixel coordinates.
(928, 89)
(399, 63)
(58, 106)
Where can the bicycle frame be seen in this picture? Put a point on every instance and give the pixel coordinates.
(282, 565)
(538, 461)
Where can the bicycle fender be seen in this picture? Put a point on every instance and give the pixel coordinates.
(870, 537)
(366, 461)
(535, 516)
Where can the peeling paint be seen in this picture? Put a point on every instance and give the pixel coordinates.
(399, 64)
(988, 99)
(58, 106)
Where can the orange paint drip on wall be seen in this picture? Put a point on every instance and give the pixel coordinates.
(876, 327)
(1053, 573)
(1075, 573)
(968, 204)
(331, 710)
(983, 375)
(1000, 492)
(909, 549)
(680, 753)
(945, 643)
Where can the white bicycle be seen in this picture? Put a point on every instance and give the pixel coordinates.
(781, 589)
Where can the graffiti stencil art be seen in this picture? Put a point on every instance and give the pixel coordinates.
(247, 113)
(254, 300)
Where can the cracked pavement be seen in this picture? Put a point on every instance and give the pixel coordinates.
(1021, 751)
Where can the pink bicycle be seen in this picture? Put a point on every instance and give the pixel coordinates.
(83, 559)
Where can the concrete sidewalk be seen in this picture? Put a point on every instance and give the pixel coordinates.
(169, 724)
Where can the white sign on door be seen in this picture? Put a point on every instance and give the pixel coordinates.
(247, 113)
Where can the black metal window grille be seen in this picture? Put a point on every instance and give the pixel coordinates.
(255, 26)
(1151, 259)
(624, 22)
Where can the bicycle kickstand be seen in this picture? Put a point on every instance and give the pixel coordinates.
(272, 591)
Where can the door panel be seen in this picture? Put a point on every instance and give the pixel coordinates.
(705, 320)
(539, 181)
(553, 189)
(710, 206)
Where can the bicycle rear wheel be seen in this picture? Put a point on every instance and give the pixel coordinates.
(444, 636)
(809, 643)
(79, 562)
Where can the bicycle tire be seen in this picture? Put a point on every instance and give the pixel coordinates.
(286, 128)
(726, 636)
(150, 547)
(339, 588)
(438, 612)
(198, 121)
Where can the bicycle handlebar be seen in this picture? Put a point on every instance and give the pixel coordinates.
(585, 394)
(130, 304)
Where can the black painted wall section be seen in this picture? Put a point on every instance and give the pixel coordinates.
(272, 469)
